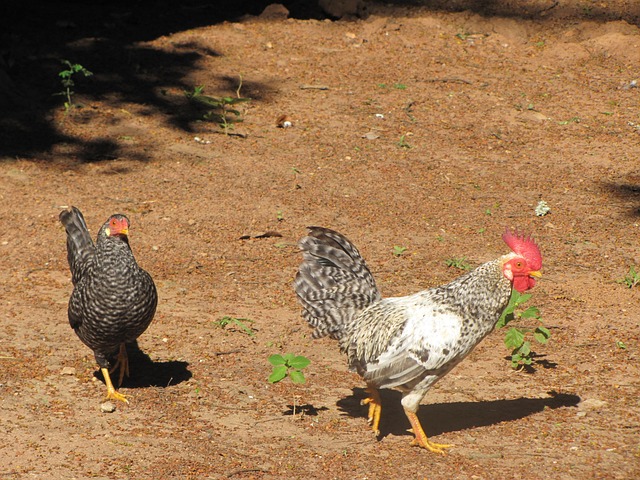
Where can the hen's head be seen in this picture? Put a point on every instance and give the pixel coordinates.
(523, 266)
(116, 226)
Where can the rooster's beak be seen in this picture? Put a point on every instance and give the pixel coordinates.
(535, 273)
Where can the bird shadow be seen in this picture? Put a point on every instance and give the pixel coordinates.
(440, 418)
(145, 373)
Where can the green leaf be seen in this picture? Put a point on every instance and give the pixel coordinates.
(541, 334)
(531, 312)
(278, 374)
(299, 362)
(522, 298)
(276, 360)
(297, 376)
(525, 349)
(287, 358)
(513, 338)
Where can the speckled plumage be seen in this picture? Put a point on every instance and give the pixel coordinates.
(404, 342)
(113, 300)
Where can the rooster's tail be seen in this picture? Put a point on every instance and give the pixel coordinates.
(333, 283)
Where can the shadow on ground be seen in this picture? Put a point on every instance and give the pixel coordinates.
(629, 192)
(441, 418)
(105, 37)
(145, 373)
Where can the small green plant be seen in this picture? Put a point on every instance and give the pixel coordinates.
(516, 337)
(236, 322)
(632, 278)
(222, 110)
(621, 345)
(398, 250)
(399, 86)
(402, 143)
(66, 78)
(459, 263)
(288, 365)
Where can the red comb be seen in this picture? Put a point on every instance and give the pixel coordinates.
(524, 246)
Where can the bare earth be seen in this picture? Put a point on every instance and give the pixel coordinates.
(432, 130)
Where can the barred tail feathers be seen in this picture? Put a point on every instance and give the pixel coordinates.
(333, 283)
(79, 243)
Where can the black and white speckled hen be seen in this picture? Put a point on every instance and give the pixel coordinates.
(113, 300)
(406, 342)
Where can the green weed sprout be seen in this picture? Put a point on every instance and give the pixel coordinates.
(221, 110)
(66, 78)
(516, 338)
(288, 365)
(237, 322)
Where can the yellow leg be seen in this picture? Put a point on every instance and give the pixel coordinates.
(375, 408)
(421, 437)
(122, 362)
(111, 392)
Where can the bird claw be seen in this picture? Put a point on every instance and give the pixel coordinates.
(113, 395)
(432, 447)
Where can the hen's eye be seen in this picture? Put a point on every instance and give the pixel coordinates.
(519, 264)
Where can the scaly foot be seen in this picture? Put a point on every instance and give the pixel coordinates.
(111, 392)
(375, 408)
(421, 438)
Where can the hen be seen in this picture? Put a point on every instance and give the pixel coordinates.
(406, 342)
(113, 299)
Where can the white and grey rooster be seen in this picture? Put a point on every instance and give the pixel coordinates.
(405, 342)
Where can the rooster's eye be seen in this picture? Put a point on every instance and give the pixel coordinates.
(519, 264)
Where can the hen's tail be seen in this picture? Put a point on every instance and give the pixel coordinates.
(333, 283)
(79, 244)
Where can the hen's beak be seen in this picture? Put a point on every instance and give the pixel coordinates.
(125, 232)
(535, 273)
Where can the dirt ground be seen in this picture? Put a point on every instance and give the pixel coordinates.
(427, 127)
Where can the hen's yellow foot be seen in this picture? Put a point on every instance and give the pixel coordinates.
(111, 391)
(421, 439)
(375, 408)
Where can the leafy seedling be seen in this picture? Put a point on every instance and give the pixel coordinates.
(459, 263)
(288, 365)
(398, 250)
(236, 322)
(516, 337)
(632, 278)
(66, 78)
(221, 110)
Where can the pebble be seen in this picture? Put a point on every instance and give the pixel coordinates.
(68, 371)
(107, 407)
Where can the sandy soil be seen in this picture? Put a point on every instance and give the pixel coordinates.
(422, 127)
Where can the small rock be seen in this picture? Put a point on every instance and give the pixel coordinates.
(591, 404)
(275, 11)
(371, 135)
(107, 407)
(68, 371)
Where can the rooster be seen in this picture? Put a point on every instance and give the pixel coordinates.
(405, 342)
